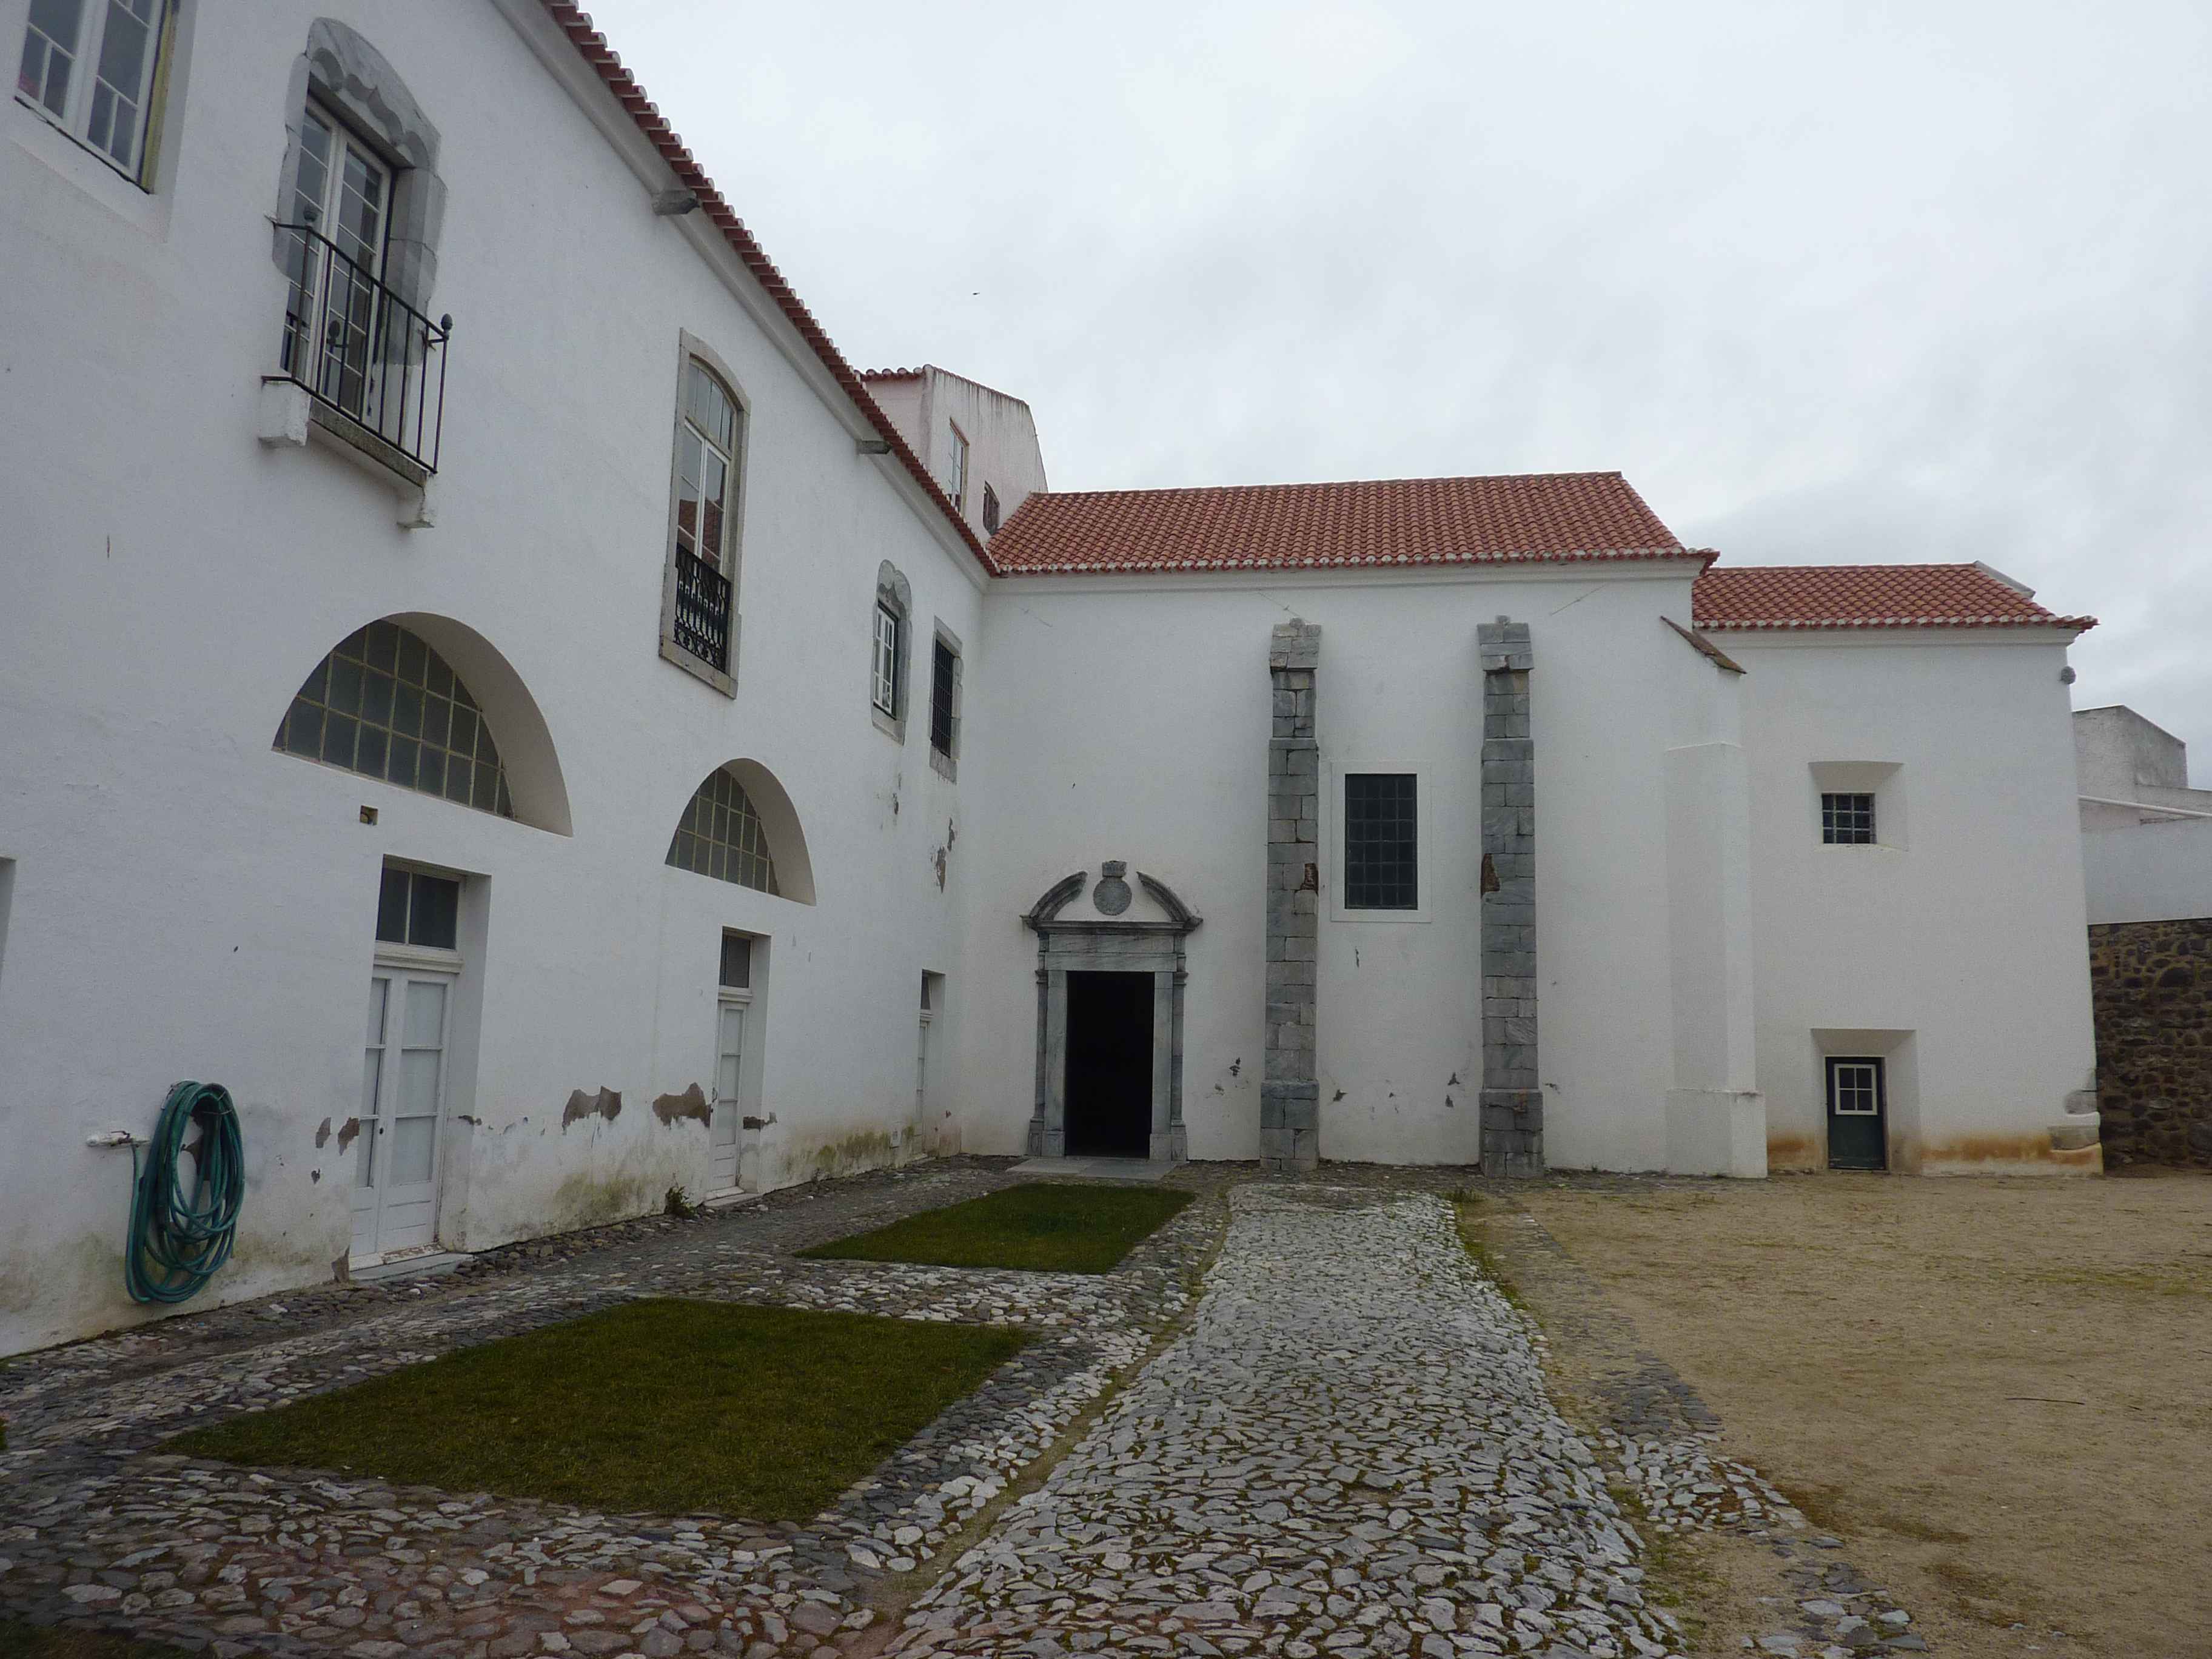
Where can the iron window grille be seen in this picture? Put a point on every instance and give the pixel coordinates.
(386, 705)
(721, 835)
(357, 348)
(940, 699)
(1381, 836)
(1847, 820)
(701, 626)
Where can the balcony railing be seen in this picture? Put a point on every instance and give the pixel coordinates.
(357, 348)
(702, 611)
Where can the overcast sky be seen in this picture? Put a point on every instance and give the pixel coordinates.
(1830, 282)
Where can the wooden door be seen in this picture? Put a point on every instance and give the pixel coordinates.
(1858, 1114)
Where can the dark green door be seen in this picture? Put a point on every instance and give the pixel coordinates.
(1858, 1114)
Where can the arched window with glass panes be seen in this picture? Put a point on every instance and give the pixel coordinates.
(386, 705)
(721, 835)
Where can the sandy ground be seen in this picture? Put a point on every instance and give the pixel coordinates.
(1997, 1392)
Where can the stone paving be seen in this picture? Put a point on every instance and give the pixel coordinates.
(1346, 1447)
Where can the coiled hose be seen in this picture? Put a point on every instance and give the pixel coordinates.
(179, 1240)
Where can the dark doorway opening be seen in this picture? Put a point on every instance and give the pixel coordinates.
(1109, 1065)
(1859, 1113)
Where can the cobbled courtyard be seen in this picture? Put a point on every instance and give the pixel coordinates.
(1296, 1420)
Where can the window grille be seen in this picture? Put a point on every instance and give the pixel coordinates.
(386, 705)
(942, 663)
(887, 656)
(416, 908)
(1847, 820)
(990, 511)
(1380, 830)
(721, 835)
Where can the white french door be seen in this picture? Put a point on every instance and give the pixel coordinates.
(402, 1088)
(730, 1013)
(342, 193)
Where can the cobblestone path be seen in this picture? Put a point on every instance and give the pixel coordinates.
(1351, 1452)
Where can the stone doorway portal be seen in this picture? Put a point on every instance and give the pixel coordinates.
(1109, 1065)
(1109, 1018)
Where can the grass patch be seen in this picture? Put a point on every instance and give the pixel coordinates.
(21, 1641)
(1040, 1227)
(664, 1405)
(1475, 1239)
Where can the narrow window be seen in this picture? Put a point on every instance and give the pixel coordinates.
(1381, 829)
(944, 662)
(89, 67)
(1847, 820)
(958, 486)
(887, 659)
(386, 705)
(990, 511)
(709, 435)
(336, 318)
(737, 962)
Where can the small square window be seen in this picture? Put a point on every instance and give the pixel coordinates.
(1381, 840)
(1847, 820)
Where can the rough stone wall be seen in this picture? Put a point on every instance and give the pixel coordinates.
(1290, 1095)
(1512, 1101)
(2150, 983)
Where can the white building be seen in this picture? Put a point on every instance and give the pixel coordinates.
(713, 768)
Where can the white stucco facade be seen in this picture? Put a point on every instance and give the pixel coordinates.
(181, 899)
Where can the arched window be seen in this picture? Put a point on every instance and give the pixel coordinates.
(386, 705)
(721, 835)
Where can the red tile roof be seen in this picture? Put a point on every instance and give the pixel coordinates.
(1867, 596)
(576, 23)
(1396, 521)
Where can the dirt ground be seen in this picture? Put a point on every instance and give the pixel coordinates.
(1997, 1392)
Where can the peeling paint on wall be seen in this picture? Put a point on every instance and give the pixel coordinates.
(692, 1103)
(347, 1131)
(322, 1134)
(607, 1104)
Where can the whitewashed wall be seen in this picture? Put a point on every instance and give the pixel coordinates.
(186, 903)
(1128, 718)
(1958, 949)
(2149, 871)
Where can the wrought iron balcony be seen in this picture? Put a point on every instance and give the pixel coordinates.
(702, 611)
(358, 348)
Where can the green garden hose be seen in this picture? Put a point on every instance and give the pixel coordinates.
(179, 1240)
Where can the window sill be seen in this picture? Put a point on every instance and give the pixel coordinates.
(890, 725)
(944, 765)
(290, 418)
(673, 652)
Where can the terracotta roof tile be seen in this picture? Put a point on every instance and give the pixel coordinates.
(576, 23)
(1867, 596)
(1396, 521)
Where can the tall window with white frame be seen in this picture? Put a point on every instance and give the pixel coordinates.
(733, 1001)
(91, 67)
(955, 478)
(1381, 841)
(406, 1065)
(709, 449)
(341, 203)
(889, 627)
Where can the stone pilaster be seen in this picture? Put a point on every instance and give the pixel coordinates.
(1512, 1101)
(1290, 1095)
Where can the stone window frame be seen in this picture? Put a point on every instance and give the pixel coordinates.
(691, 349)
(1086, 946)
(355, 82)
(1423, 772)
(893, 594)
(946, 761)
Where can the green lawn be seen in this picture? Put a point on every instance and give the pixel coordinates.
(1044, 1227)
(666, 1406)
(20, 1641)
